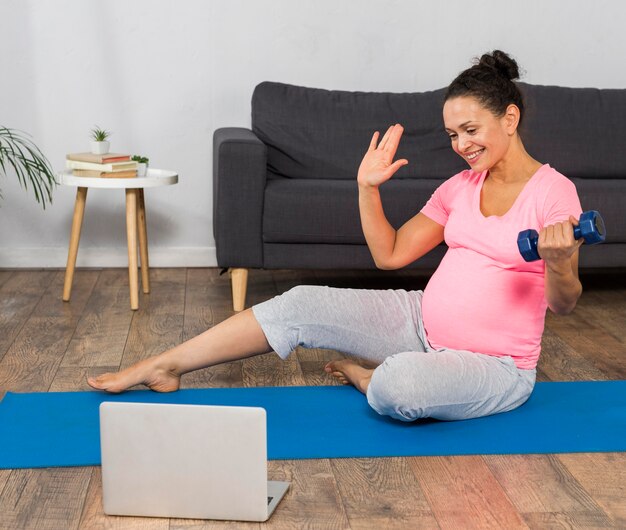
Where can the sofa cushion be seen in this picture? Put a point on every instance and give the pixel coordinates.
(327, 211)
(578, 131)
(323, 134)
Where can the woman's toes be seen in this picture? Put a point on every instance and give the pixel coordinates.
(94, 382)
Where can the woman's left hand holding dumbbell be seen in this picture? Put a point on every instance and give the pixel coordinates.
(556, 244)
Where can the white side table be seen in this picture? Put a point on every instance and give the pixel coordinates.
(135, 218)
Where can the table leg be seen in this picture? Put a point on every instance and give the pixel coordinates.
(143, 241)
(77, 222)
(131, 234)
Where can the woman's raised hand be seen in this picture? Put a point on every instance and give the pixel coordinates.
(377, 165)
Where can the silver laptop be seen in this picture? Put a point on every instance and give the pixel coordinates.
(190, 461)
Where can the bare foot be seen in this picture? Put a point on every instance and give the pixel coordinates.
(149, 372)
(350, 373)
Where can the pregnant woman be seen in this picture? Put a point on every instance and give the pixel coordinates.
(467, 346)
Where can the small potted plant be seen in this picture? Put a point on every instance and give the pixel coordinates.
(142, 164)
(100, 145)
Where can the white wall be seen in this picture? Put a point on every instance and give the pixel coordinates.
(163, 75)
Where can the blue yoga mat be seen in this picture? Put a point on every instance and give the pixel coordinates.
(62, 429)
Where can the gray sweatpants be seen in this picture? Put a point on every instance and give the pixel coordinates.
(412, 379)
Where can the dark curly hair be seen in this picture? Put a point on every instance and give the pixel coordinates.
(490, 81)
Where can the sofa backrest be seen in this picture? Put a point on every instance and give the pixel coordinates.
(323, 134)
(578, 131)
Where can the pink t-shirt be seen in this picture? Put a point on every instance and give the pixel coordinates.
(484, 297)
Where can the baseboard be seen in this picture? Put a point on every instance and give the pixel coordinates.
(56, 257)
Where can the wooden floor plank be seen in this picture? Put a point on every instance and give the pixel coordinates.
(102, 330)
(603, 350)
(543, 489)
(5, 275)
(463, 493)
(559, 361)
(607, 310)
(52, 303)
(44, 498)
(229, 375)
(4, 477)
(206, 301)
(603, 475)
(32, 361)
(382, 493)
(20, 292)
(271, 370)
(313, 499)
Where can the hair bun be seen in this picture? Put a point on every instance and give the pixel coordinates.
(501, 62)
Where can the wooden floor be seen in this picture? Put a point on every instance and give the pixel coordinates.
(48, 345)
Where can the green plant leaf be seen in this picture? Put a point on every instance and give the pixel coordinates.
(19, 152)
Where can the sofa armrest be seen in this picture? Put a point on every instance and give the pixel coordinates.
(239, 176)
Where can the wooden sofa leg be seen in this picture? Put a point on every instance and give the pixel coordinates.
(239, 281)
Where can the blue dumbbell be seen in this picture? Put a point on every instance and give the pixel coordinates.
(590, 228)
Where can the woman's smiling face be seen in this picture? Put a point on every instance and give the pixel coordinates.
(476, 133)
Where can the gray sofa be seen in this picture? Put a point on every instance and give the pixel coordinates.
(285, 193)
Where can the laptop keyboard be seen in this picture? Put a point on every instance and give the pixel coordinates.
(269, 499)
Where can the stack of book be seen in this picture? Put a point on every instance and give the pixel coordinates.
(111, 165)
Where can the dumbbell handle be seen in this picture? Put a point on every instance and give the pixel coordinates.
(590, 228)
